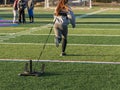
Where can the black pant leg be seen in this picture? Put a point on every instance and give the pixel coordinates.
(19, 16)
(64, 44)
(23, 16)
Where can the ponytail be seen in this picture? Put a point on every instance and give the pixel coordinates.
(61, 6)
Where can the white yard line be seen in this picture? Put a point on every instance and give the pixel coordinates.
(103, 45)
(102, 24)
(85, 15)
(105, 35)
(93, 35)
(60, 61)
(96, 29)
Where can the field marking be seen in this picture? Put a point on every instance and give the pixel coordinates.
(100, 24)
(96, 29)
(106, 35)
(104, 45)
(13, 35)
(60, 61)
(85, 15)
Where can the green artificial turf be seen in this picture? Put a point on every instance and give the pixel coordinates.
(95, 38)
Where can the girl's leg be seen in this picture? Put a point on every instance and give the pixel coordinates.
(14, 16)
(64, 44)
(58, 34)
(19, 16)
(32, 16)
(32, 19)
(29, 15)
(64, 40)
(23, 16)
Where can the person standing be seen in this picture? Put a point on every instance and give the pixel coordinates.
(63, 15)
(15, 11)
(30, 7)
(21, 11)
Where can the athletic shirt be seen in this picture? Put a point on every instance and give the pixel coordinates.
(65, 18)
(22, 4)
(62, 13)
(15, 5)
(30, 4)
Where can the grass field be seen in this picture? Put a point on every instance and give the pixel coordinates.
(96, 38)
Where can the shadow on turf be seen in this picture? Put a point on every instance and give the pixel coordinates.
(50, 74)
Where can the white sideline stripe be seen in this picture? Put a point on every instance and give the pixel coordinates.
(94, 35)
(101, 29)
(105, 45)
(106, 35)
(66, 61)
(100, 25)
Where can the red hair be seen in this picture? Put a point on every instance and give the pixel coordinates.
(61, 6)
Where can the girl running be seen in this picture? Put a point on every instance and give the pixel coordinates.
(63, 14)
